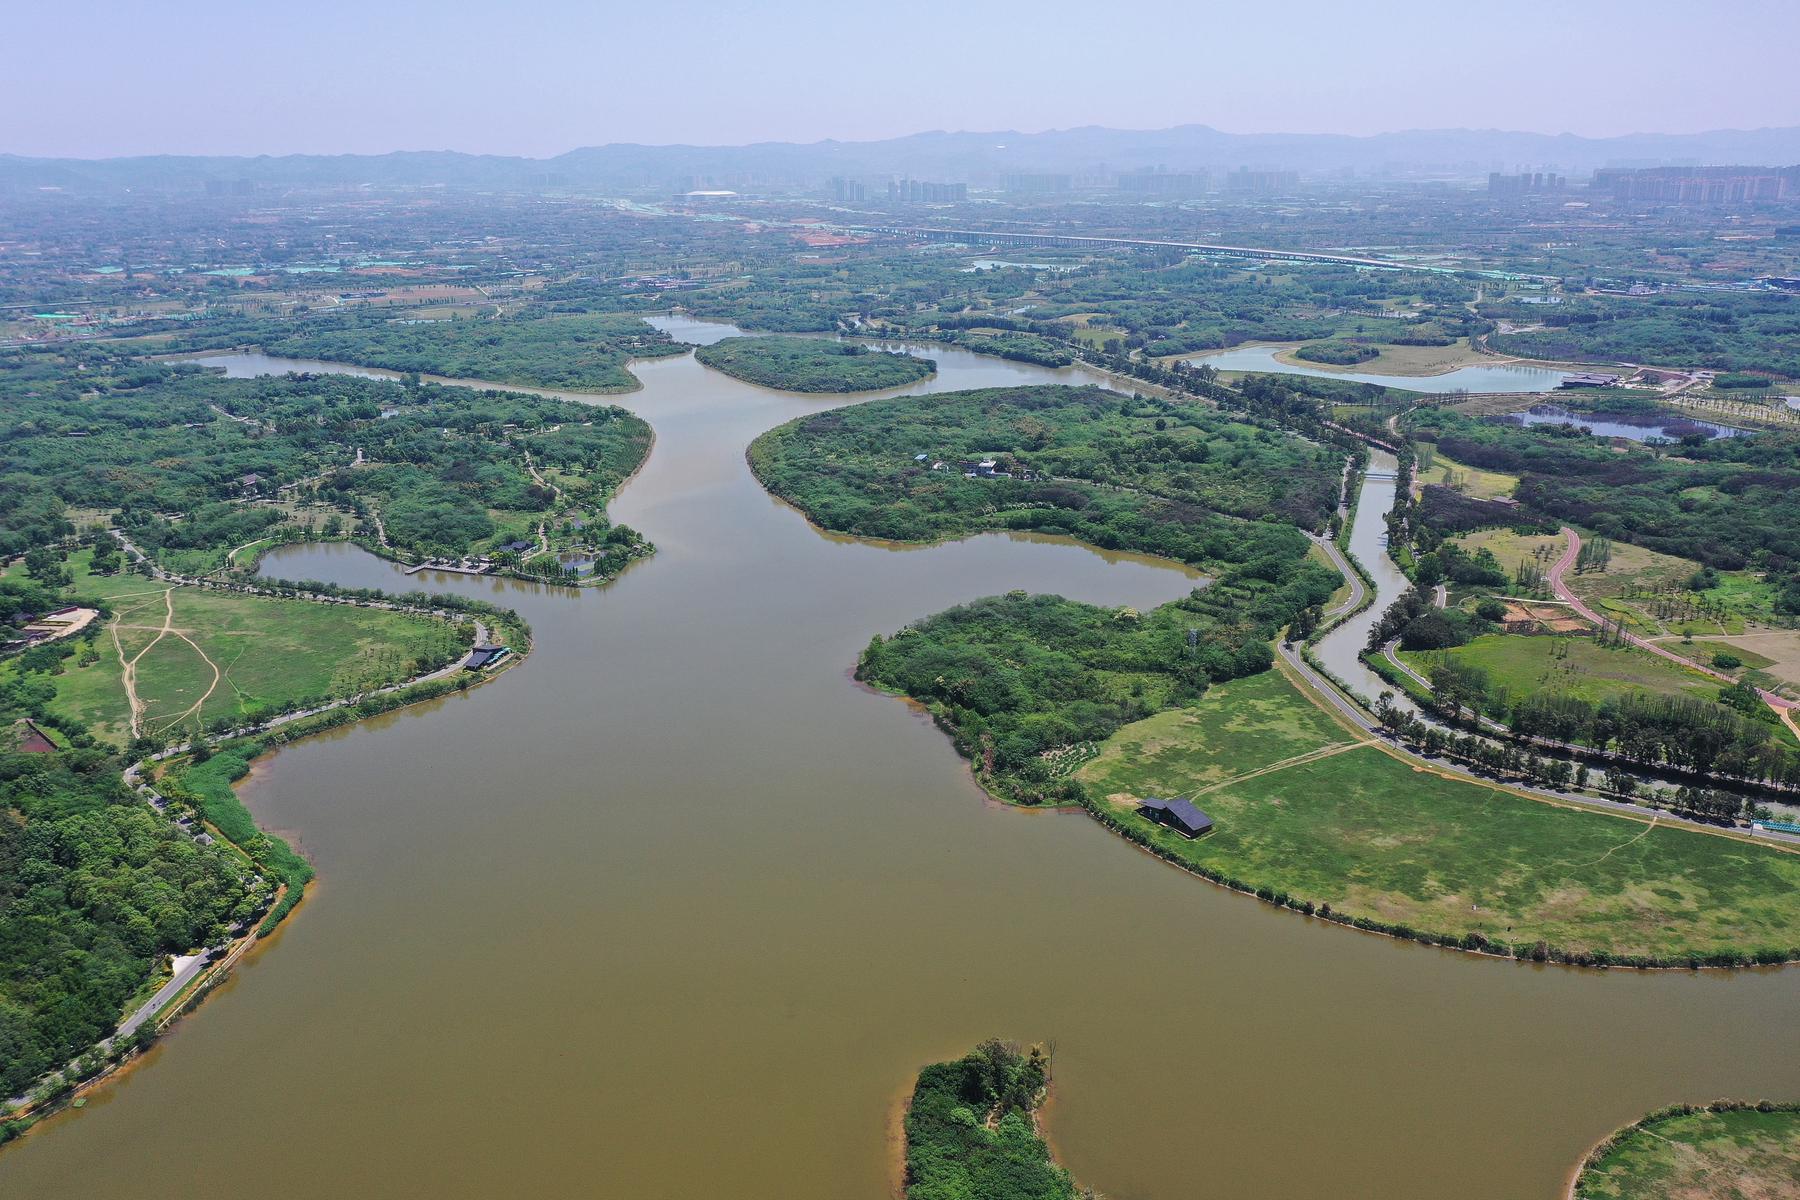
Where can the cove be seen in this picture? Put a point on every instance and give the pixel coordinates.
(675, 909)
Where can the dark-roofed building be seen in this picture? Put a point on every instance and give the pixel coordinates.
(517, 547)
(484, 656)
(1179, 815)
(1588, 379)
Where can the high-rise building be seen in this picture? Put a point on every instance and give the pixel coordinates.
(849, 191)
(1036, 183)
(1701, 185)
(919, 191)
(1526, 184)
(1246, 182)
(1148, 182)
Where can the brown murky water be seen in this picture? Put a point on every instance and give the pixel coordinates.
(676, 910)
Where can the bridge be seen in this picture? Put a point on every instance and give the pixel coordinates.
(1081, 242)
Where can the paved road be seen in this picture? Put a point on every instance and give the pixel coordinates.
(1358, 589)
(187, 966)
(1570, 553)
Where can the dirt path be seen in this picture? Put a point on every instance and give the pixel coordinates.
(543, 538)
(1628, 842)
(231, 555)
(128, 666)
(1296, 760)
(194, 709)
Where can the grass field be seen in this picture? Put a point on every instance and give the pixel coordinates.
(1746, 600)
(230, 655)
(1470, 481)
(1513, 548)
(1569, 666)
(1303, 808)
(1737, 1154)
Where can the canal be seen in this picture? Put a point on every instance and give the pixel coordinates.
(675, 909)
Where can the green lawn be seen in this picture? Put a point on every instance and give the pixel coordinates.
(1570, 666)
(1736, 1154)
(269, 654)
(1376, 839)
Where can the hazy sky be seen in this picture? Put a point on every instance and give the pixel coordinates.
(104, 77)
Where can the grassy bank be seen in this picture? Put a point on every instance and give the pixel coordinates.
(1721, 1151)
(208, 786)
(1313, 817)
(1569, 666)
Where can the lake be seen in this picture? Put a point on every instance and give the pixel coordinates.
(1500, 377)
(675, 909)
(1638, 427)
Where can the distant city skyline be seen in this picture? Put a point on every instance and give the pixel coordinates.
(101, 78)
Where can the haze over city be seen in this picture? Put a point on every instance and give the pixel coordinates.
(98, 78)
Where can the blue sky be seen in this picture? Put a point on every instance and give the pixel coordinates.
(103, 77)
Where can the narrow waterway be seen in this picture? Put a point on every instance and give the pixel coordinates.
(675, 910)
(1341, 649)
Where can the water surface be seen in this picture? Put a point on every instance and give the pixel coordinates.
(1341, 649)
(1638, 427)
(675, 910)
(1500, 377)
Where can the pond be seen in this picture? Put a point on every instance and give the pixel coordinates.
(1638, 427)
(1498, 377)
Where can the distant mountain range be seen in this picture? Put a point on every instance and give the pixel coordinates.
(977, 158)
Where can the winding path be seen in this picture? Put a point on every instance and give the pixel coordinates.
(1562, 591)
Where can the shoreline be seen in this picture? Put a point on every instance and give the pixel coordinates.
(1440, 939)
(1606, 1143)
(137, 775)
(1374, 365)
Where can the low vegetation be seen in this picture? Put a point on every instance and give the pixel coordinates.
(1337, 354)
(971, 1129)
(1721, 1151)
(1728, 332)
(1729, 504)
(585, 353)
(1313, 816)
(203, 659)
(193, 465)
(813, 364)
(1114, 471)
(1026, 685)
(95, 890)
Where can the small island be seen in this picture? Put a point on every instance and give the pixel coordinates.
(1337, 354)
(1722, 1149)
(585, 352)
(1118, 472)
(799, 364)
(972, 1129)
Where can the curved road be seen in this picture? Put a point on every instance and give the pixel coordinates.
(1562, 592)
